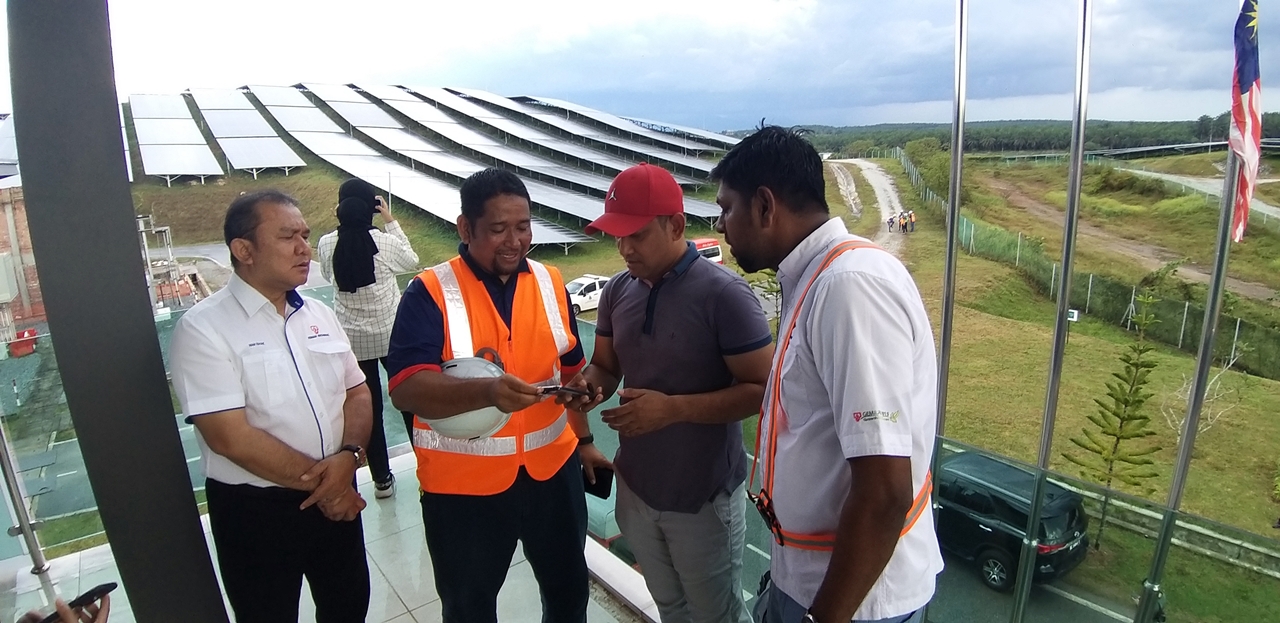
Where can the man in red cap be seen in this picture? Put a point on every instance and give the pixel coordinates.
(691, 342)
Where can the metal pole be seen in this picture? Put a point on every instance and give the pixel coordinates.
(1053, 279)
(1017, 259)
(18, 502)
(953, 217)
(1235, 340)
(1061, 325)
(1088, 298)
(1191, 424)
(1186, 307)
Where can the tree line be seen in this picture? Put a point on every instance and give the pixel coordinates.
(1035, 135)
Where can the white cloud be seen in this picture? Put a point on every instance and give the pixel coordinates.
(719, 63)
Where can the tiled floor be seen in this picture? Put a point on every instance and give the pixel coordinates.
(399, 567)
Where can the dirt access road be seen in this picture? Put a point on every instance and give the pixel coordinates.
(886, 197)
(1150, 257)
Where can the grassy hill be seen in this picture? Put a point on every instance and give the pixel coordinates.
(1000, 366)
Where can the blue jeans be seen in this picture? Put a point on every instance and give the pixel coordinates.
(775, 606)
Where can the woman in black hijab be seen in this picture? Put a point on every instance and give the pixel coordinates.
(362, 262)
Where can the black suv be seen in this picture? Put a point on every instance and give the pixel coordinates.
(983, 505)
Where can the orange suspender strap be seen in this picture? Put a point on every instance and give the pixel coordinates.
(827, 542)
(820, 542)
(775, 382)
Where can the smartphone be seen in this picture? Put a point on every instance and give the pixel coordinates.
(603, 485)
(86, 598)
(547, 390)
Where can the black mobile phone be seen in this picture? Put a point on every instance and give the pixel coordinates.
(85, 598)
(603, 485)
(547, 390)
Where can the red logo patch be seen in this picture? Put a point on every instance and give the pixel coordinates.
(315, 330)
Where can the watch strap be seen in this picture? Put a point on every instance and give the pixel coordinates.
(358, 451)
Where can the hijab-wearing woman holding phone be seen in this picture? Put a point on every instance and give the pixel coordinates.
(362, 262)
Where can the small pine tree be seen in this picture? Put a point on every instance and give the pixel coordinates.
(1109, 452)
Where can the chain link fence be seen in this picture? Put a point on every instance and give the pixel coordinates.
(1099, 296)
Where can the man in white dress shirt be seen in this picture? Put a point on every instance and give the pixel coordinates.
(847, 425)
(281, 412)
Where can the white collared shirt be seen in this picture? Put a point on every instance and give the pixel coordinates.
(859, 379)
(234, 350)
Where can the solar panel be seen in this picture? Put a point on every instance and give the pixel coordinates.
(364, 115)
(445, 162)
(626, 127)
(454, 102)
(236, 123)
(158, 107)
(172, 160)
(168, 132)
(279, 96)
(261, 152)
(639, 151)
(399, 140)
(333, 144)
(334, 92)
(460, 134)
(308, 119)
(384, 92)
(220, 99)
(419, 111)
(714, 138)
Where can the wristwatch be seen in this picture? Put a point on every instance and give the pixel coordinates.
(361, 459)
(587, 440)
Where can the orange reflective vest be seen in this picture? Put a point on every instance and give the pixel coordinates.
(773, 417)
(537, 438)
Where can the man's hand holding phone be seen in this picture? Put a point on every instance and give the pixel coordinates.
(579, 395)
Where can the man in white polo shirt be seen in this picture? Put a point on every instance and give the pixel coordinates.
(847, 427)
(282, 413)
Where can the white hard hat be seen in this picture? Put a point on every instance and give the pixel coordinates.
(472, 424)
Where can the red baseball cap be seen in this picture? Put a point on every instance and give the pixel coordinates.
(635, 197)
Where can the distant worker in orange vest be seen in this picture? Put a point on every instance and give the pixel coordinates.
(911, 218)
(846, 432)
(525, 481)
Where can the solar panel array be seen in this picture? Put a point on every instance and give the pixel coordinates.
(722, 141)
(629, 129)
(472, 139)
(169, 141)
(371, 120)
(245, 137)
(310, 126)
(581, 132)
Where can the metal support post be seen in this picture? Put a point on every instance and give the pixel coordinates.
(1149, 602)
(1186, 307)
(1026, 567)
(1017, 259)
(952, 209)
(1235, 340)
(18, 502)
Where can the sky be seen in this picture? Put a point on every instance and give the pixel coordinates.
(716, 64)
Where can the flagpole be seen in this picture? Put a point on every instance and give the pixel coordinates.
(1191, 424)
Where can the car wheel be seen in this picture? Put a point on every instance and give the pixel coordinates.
(996, 569)
(576, 309)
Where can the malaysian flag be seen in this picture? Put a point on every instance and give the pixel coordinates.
(1246, 114)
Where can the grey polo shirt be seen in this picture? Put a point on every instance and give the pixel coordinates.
(673, 338)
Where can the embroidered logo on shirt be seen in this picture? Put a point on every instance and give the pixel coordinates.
(874, 416)
(315, 333)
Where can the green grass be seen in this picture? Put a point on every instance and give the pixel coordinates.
(73, 533)
(1197, 165)
(1199, 589)
(1269, 193)
(1000, 365)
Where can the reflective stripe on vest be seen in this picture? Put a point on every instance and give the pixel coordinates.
(455, 312)
(773, 415)
(456, 309)
(547, 289)
(428, 439)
